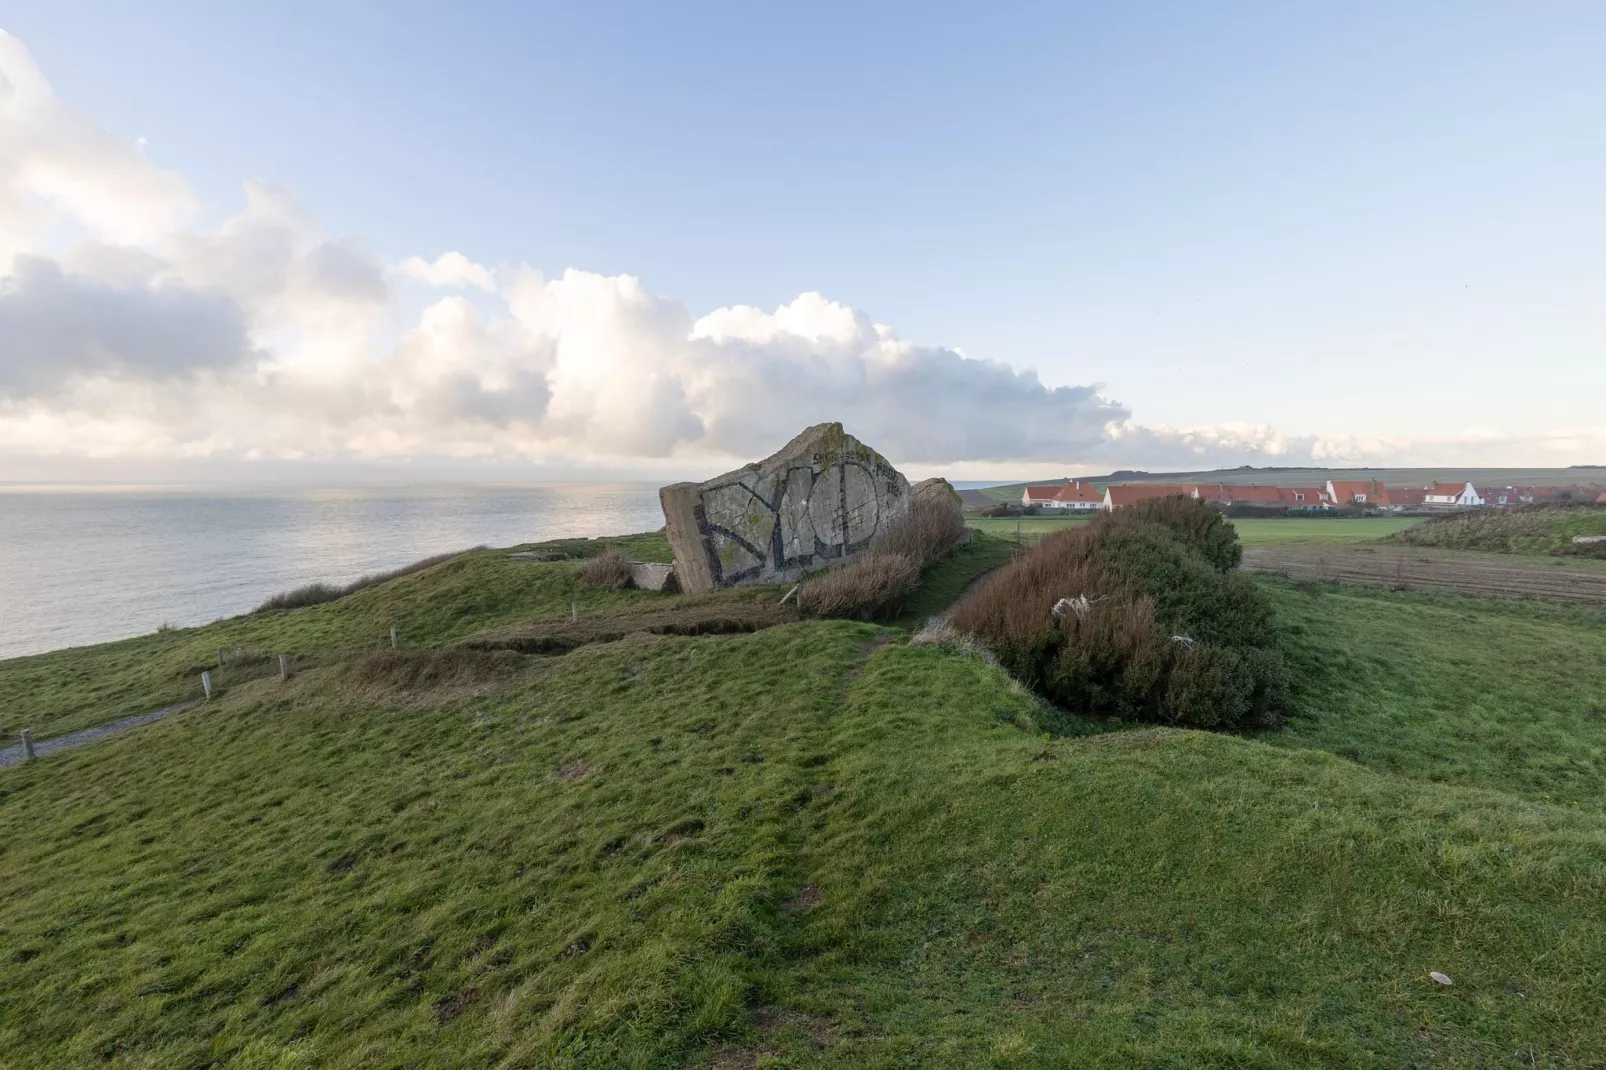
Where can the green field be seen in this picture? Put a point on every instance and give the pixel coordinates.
(816, 846)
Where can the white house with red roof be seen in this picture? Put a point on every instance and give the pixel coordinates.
(1463, 494)
(1043, 496)
(1078, 496)
(1127, 494)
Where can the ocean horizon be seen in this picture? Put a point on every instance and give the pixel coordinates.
(93, 563)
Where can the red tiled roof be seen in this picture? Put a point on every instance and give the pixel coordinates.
(1042, 494)
(1452, 489)
(1255, 492)
(1139, 492)
(1344, 490)
(1407, 496)
(1312, 495)
(1602, 499)
(1077, 491)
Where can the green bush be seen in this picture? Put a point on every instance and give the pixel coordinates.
(1140, 615)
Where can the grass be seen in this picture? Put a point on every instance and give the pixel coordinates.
(66, 690)
(814, 846)
(1534, 529)
(802, 847)
(1464, 691)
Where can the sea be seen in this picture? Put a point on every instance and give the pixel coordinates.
(88, 564)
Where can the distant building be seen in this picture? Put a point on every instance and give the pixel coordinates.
(1039, 496)
(1305, 497)
(1602, 499)
(1077, 495)
(1130, 493)
(1356, 492)
(1463, 494)
(1406, 497)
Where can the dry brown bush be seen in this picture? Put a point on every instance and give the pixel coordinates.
(1139, 614)
(610, 570)
(927, 533)
(865, 588)
(873, 585)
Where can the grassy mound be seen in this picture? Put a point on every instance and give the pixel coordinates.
(1530, 529)
(1139, 614)
(482, 593)
(801, 847)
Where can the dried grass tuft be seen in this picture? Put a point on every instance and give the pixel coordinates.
(609, 570)
(317, 593)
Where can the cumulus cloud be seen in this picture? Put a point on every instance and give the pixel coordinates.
(125, 331)
(449, 271)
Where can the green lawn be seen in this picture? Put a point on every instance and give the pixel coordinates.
(478, 592)
(816, 846)
(794, 848)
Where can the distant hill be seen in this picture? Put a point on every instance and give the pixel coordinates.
(1408, 477)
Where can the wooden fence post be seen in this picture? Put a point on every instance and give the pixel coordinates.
(393, 643)
(284, 666)
(574, 611)
(206, 683)
(27, 746)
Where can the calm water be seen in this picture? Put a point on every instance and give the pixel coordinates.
(87, 565)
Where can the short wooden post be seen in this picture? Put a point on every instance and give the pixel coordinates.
(27, 745)
(574, 611)
(206, 683)
(220, 657)
(284, 666)
(393, 643)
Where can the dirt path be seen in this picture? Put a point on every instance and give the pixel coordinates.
(13, 754)
(1423, 569)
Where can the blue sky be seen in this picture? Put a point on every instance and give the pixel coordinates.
(1365, 220)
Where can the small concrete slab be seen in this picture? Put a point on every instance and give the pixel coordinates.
(654, 576)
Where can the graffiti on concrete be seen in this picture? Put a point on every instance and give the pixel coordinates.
(818, 501)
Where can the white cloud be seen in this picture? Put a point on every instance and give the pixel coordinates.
(126, 333)
(449, 271)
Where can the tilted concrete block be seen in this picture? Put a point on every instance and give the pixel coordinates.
(816, 502)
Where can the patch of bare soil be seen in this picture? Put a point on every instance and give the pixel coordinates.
(1421, 569)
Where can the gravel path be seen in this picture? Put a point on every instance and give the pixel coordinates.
(13, 754)
(1417, 568)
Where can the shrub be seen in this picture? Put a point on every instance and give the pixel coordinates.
(311, 595)
(927, 534)
(608, 569)
(1139, 614)
(873, 585)
(317, 593)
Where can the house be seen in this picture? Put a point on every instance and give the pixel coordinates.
(1602, 499)
(1305, 497)
(1460, 494)
(1077, 495)
(1116, 497)
(1039, 496)
(1406, 497)
(1356, 492)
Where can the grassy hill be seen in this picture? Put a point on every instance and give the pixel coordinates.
(1529, 530)
(817, 846)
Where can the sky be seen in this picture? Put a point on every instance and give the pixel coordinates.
(530, 241)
